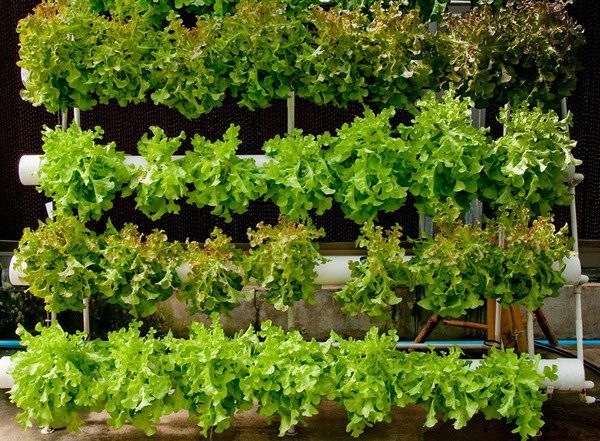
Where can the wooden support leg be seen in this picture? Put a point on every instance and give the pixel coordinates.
(427, 329)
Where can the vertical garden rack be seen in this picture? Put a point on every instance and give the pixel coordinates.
(576, 384)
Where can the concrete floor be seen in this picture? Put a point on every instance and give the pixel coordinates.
(566, 419)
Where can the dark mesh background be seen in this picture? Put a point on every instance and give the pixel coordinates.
(21, 125)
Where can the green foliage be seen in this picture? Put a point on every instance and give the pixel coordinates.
(526, 51)
(82, 53)
(511, 383)
(288, 377)
(462, 264)
(138, 378)
(299, 178)
(373, 286)
(444, 155)
(365, 159)
(405, 61)
(282, 258)
(334, 68)
(189, 73)
(526, 167)
(209, 370)
(219, 178)
(363, 376)
(529, 267)
(55, 379)
(137, 271)
(211, 275)
(60, 262)
(450, 269)
(78, 174)
(161, 182)
(259, 45)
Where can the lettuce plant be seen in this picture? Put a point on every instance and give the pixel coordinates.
(61, 262)
(79, 174)
(137, 271)
(374, 283)
(220, 179)
(212, 275)
(527, 166)
(299, 179)
(525, 51)
(283, 258)
(161, 182)
(444, 155)
(365, 159)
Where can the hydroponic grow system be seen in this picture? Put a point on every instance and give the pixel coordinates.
(571, 372)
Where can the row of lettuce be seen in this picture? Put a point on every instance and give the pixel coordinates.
(138, 378)
(82, 53)
(369, 166)
(65, 263)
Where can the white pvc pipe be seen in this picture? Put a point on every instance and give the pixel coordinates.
(16, 276)
(291, 112)
(6, 380)
(29, 165)
(336, 271)
(530, 335)
(570, 374)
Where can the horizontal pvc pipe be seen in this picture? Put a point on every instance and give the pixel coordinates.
(11, 344)
(568, 342)
(29, 165)
(571, 374)
(334, 272)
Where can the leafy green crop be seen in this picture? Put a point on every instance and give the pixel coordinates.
(137, 378)
(373, 286)
(449, 389)
(526, 51)
(462, 264)
(259, 45)
(60, 261)
(137, 271)
(79, 174)
(161, 182)
(212, 275)
(288, 377)
(189, 74)
(529, 267)
(219, 178)
(365, 159)
(282, 258)
(209, 370)
(363, 376)
(450, 269)
(526, 167)
(299, 178)
(55, 379)
(512, 386)
(82, 53)
(444, 155)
